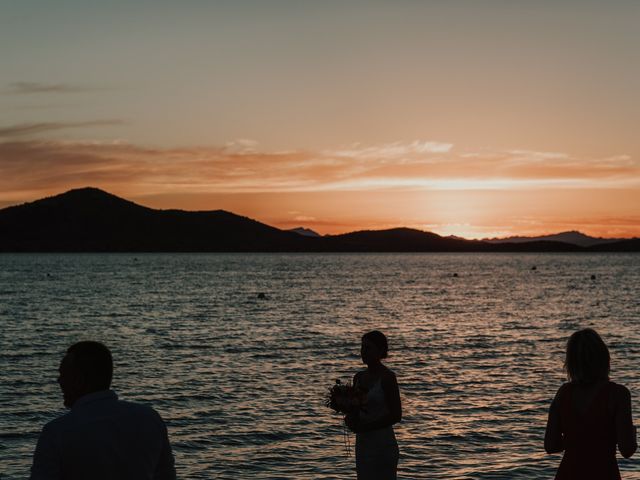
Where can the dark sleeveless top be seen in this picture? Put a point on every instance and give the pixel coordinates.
(589, 438)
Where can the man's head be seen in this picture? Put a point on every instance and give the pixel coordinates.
(86, 368)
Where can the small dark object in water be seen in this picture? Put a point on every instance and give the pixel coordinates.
(262, 296)
(455, 275)
(534, 268)
(593, 277)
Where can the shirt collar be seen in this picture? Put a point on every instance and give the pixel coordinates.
(94, 397)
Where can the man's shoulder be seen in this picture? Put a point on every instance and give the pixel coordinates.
(138, 409)
(134, 412)
(58, 422)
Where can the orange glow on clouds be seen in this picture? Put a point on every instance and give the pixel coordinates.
(423, 184)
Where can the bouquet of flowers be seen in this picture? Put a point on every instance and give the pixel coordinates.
(346, 398)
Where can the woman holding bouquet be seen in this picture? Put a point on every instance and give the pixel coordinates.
(376, 447)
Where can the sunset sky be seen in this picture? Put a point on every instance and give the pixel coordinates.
(476, 118)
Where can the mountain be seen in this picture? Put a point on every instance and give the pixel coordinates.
(629, 245)
(411, 240)
(307, 232)
(573, 237)
(402, 240)
(91, 220)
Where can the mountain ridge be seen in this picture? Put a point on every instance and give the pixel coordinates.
(92, 220)
(571, 236)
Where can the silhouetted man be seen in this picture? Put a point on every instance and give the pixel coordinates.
(101, 437)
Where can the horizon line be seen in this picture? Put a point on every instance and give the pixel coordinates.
(302, 226)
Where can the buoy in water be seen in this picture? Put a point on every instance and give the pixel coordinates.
(593, 277)
(262, 296)
(534, 268)
(455, 275)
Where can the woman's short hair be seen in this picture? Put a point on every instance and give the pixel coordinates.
(379, 340)
(587, 359)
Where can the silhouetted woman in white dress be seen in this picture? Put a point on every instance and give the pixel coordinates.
(376, 447)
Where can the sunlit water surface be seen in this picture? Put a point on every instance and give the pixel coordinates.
(240, 380)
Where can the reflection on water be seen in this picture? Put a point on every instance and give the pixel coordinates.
(241, 379)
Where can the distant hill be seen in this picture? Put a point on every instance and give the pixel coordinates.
(411, 240)
(573, 237)
(630, 245)
(91, 220)
(402, 240)
(307, 232)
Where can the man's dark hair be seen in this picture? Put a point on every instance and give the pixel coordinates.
(93, 360)
(379, 340)
(587, 358)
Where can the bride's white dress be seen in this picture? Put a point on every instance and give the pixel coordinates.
(376, 450)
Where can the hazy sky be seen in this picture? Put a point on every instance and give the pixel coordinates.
(479, 117)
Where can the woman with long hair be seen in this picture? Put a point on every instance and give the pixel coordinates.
(589, 415)
(376, 447)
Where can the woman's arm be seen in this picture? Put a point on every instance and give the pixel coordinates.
(625, 431)
(394, 405)
(553, 434)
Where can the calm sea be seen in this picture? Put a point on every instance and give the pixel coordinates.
(240, 380)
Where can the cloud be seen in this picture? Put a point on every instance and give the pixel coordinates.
(242, 146)
(304, 218)
(25, 129)
(532, 155)
(29, 88)
(239, 167)
(393, 150)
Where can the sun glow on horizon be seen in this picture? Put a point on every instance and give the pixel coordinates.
(468, 232)
(336, 132)
(474, 196)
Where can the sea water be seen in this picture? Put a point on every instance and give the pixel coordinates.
(477, 342)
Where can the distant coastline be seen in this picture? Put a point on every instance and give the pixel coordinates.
(92, 220)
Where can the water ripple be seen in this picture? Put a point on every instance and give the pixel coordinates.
(240, 379)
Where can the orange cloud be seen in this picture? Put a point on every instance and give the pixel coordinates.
(423, 184)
